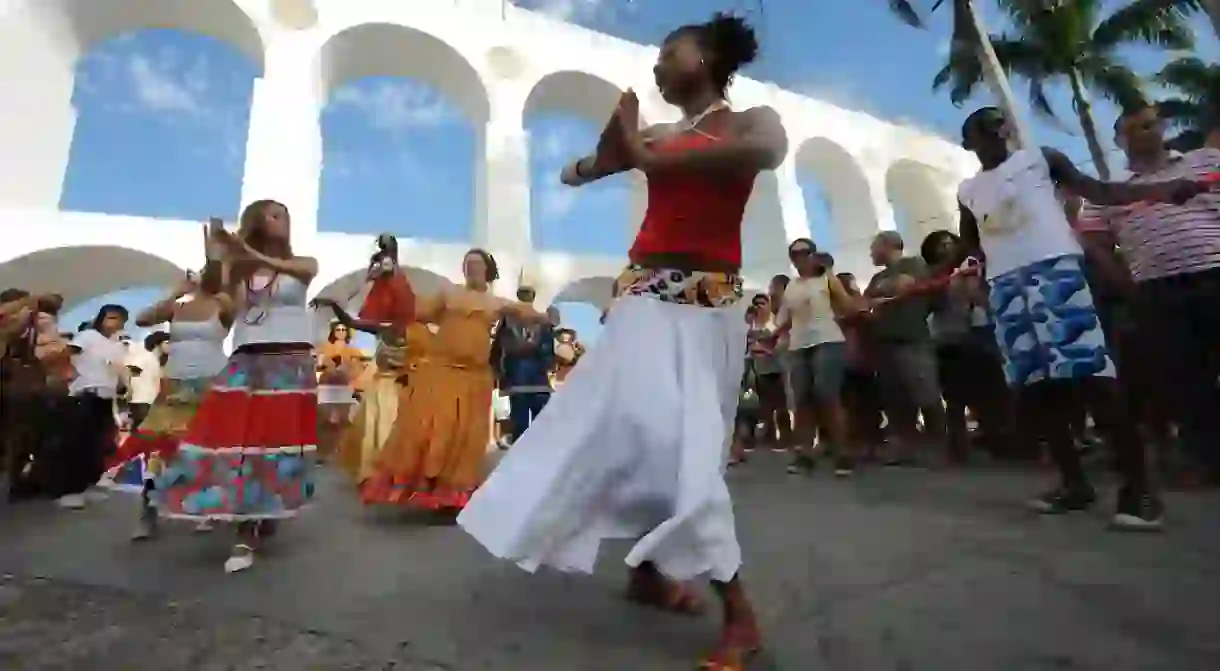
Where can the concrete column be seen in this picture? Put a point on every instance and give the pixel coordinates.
(502, 191)
(792, 200)
(37, 120)
(284, 146)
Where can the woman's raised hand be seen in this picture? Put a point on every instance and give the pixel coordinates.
(628, 112)
(189, 284)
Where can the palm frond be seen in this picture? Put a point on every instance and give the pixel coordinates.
(962, 73)
(1187, 141)
(1040, 102)
(906, 12)
(1163, 23)
(1192, 77)
(1115, 82)
(965, 32)
(1179, 113)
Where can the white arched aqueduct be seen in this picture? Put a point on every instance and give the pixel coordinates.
(498, 63)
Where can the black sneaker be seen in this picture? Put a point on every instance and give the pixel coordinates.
(1138, 510)
(844, 467)
(802, 464)
(1064, 500)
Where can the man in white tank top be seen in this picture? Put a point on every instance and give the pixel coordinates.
(1046, 322)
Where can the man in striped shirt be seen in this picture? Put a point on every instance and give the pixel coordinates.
(1173, 255)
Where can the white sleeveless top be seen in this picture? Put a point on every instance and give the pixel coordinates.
(274, 314)
(807, 305)
(196, 349)
(1020, 218)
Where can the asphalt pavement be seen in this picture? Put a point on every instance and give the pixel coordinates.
(905, 570)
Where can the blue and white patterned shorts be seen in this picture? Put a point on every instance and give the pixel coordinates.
(1047, 325)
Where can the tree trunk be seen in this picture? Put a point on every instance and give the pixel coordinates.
(993, 72)
(1084, 111)
(1212, 7)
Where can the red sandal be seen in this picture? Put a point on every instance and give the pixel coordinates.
(737, 647)
(657, 591)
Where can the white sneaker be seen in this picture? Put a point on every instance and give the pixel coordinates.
(204, 527)
(239, 561)
(71, 501)
(96, 495)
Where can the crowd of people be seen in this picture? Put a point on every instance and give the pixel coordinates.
(1023, 312)
(928, 345)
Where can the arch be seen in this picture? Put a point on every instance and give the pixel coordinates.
(187, 112)
(88, 23)
(43, 41)
(573, 106)
(81, 273)
(918, 199)
(764, 243)
(573, 92)
(595, 291)
(394, 50)
(849, 197)
(447, 88)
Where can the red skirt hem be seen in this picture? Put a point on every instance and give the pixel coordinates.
(382, 490)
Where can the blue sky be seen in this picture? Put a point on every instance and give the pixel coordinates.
(161, 130)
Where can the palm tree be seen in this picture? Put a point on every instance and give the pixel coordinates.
(1195, 110)
(1072, 40)
(973, 50)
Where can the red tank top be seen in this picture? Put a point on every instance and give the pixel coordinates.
(694, 214)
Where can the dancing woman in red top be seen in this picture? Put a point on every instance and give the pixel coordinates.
(634, 444)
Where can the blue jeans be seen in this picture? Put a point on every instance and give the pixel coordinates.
(523, 408)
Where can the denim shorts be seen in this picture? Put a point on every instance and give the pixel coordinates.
(817, 372)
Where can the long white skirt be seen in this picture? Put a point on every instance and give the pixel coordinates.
(633, 445)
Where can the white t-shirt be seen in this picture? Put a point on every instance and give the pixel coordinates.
(807, 305)
(145, 385)
(97, 364)
(1019, 214)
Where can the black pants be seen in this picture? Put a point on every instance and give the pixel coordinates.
(77, 459)
(524, 408)
(773, 408)
(972, 376)
(1181, 315)
(33, 424)
(862, 399)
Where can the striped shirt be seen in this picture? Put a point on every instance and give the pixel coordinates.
(1161, 239)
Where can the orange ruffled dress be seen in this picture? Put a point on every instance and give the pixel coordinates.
(435, 454)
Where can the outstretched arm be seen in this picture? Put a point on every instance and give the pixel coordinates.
(345, 318)
(1066, 174)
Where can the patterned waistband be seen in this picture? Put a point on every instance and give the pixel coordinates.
(683, 287)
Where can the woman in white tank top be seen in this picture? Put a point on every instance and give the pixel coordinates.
(248, 455)
(197, 328)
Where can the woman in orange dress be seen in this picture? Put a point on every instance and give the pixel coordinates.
(434, 457)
